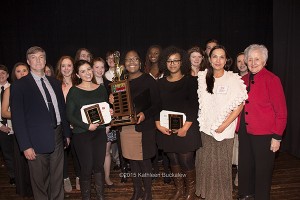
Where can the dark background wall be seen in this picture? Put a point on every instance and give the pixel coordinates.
(63, 26)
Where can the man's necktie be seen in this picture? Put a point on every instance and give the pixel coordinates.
(50, 104)
(4, 121)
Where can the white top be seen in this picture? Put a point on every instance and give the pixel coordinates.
(228, 93)
(6, 85)
(109, 75)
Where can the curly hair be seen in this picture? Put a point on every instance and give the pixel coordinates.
(210, 80)
(171, 50)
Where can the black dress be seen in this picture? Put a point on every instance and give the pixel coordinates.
(147, 127)
(180, 96)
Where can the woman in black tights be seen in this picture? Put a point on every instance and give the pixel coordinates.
(138, 141)
(178, 92)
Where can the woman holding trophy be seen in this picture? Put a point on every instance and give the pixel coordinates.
(89, 138)
(138, 141)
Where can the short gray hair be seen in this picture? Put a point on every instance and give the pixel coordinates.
(35, 49)
(262, 48)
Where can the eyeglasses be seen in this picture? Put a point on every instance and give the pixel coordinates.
(173, 61)
(132, 59)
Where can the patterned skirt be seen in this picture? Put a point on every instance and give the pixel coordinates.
(214, 169)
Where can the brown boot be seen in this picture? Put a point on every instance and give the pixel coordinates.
(190, 183)
(178, 181)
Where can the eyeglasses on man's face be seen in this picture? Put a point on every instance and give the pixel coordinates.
(173, 62)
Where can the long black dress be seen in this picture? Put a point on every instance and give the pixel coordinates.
(180, 96)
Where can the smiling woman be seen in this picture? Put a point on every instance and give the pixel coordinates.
(221, 95)
(89, 139)
(138, 141)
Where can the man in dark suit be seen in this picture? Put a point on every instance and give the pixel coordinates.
(39, 122)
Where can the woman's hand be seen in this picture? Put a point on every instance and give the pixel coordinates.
(140, 117)
(220, 129)
(163, 130)
(181, 132)
(275, 145)
(111, 111)
(93, 127)
(111, 99)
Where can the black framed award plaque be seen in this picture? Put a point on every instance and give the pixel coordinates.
(124, 113)
(93, 114)
(175, 122)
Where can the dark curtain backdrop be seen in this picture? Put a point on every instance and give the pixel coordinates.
(286, 65)
(63, 26)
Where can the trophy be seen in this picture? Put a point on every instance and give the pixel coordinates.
(123, 107)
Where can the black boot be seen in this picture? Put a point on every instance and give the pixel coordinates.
(99, 186)
(148, 188)
(138, 192)
(85, 186)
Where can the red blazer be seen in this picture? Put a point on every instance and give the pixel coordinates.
(265, 109)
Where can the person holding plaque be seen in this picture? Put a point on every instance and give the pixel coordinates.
(138, 141)
(221, 95)
(89, 139)
(178, 92)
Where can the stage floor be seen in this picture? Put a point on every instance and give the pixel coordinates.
(285, 184)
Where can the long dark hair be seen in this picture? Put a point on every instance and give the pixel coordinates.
(210, 80)
(59, 75)
(78, 64)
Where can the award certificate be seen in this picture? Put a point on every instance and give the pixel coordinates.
(96, 113)
(172, 120)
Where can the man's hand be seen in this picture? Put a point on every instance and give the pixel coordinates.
(30, 154)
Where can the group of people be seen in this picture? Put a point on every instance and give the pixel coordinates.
(229, 118)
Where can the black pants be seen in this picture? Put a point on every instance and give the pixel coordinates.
(71, 149)
(46, 172)
(256, 162)
(7, 148)
(90, 148)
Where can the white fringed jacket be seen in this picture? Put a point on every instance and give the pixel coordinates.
(228, 93)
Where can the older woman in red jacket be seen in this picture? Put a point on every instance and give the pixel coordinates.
(262, 123)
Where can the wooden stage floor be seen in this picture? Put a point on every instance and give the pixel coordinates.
(285, 186)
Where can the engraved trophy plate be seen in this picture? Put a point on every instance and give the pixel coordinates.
(93, 114)
(175, 122)
(123, 107)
